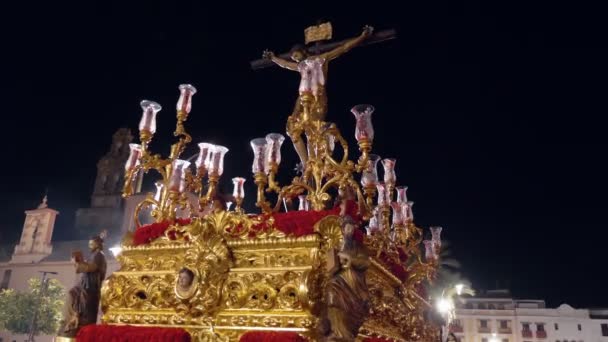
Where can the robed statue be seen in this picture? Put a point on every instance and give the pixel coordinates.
(82, 302)
(346, 294)
(311, 104)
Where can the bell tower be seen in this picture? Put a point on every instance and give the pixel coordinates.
(106, 201)
(110, 170)
(35, 243)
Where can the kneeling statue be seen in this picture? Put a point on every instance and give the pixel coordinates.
(346, 295)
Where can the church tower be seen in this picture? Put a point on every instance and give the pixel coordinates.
(106, 201)
(35, 243)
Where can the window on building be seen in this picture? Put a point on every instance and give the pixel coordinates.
(505, 340)
(504, 324)
(540, 327)
(457, 323)
(483, 339)
(481, 306)
(491, 307)
(483, 323)
(580, 327)
(556, 327)
(501, 307)
(604, 329)
(468, 306)
(525, 326)
(6, 279)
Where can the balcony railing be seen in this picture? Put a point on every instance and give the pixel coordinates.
(483, 330)
(526, 333)
(504, 330)
(541, 334)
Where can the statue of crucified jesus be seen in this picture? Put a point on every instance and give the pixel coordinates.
(311, 104)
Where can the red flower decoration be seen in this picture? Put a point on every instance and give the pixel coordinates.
(271, 336)
(145, 234)
(301, 223)
(126, 333)
(395, 268)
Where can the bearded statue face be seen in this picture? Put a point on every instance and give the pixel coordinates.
(94, 245)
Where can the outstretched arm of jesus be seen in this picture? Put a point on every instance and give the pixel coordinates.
(342, 49)
(283, 63)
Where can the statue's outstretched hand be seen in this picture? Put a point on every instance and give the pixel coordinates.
(368, 30)
(267, 54)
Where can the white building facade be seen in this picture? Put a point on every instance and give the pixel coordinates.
(496, 317)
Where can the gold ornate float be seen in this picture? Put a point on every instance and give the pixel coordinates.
(348, 271)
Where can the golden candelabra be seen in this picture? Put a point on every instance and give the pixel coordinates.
(251, 274)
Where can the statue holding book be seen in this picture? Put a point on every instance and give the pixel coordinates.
(83, 299)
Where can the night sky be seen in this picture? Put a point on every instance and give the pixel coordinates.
(495, 114)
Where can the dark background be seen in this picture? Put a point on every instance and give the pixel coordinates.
(495, 113)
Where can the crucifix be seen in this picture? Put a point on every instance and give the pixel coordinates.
(312, 63)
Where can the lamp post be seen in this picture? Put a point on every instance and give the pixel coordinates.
(446, 308)
(43, 285)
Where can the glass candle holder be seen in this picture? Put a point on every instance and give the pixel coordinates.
(184, 103)
(182, 182)
(148, 118)
(274, 141)
(382, 195)
(258, 145)
(134, 155)
(239, 189)
(410, 210)
(405, 211)
(389, 170)
(369, 176)
(159, 190)
(303, 204)
(429, 250)
(216, 165)
(379, 215)
(436, 235)
(331, 143)
(364, 130)
(397, 213)
(373, 225)
(203, 159)
(401, 194)
(179, 172)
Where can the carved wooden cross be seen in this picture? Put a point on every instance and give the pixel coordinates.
(377, 37)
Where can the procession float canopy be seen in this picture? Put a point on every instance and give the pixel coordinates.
(349, 263)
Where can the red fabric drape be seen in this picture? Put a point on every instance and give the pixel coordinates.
(126, 333)
(271, 336)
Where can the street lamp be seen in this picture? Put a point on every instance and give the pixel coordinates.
(494, 338)
(445, 305)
